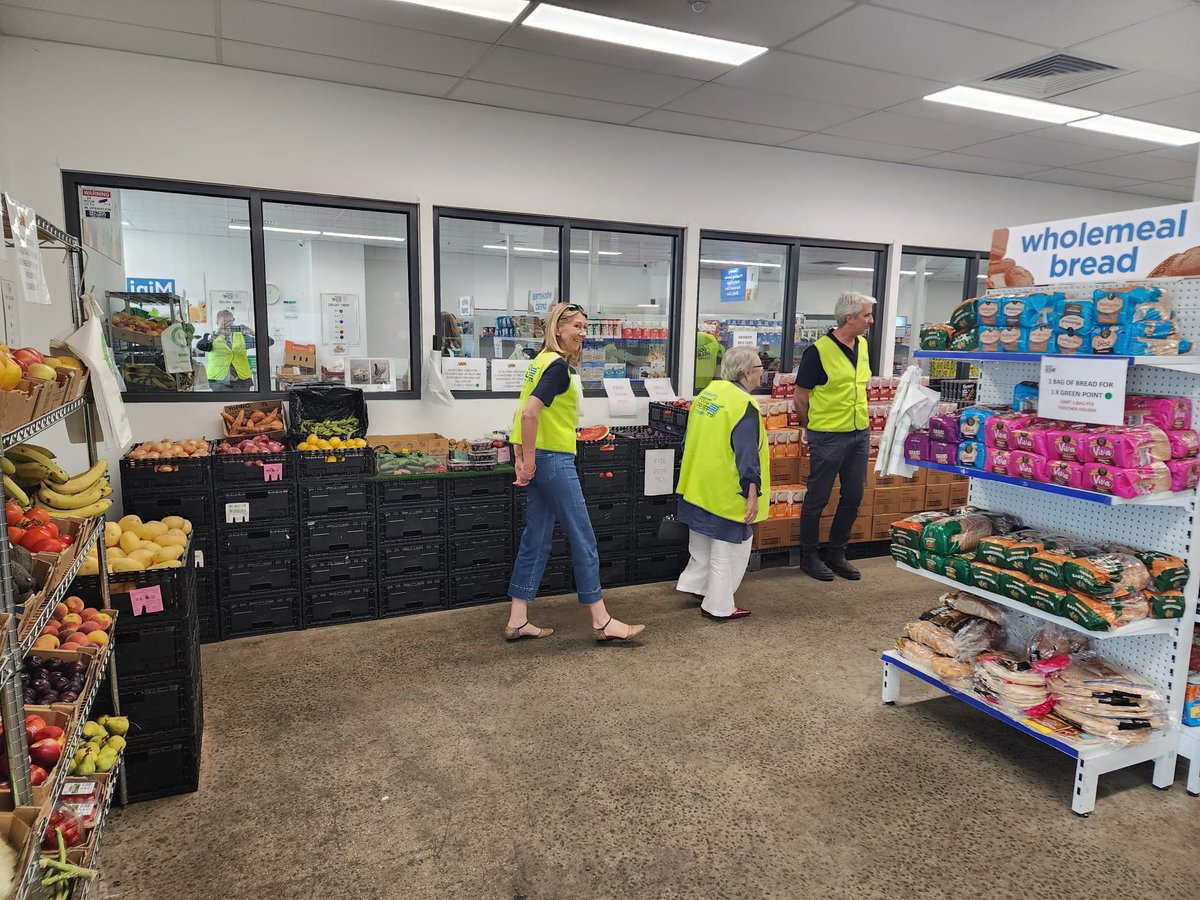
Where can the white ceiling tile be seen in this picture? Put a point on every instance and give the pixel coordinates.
(1124, 91)
(1187, 153)
(272, 25)
(1165, 44)
(1182, 112)
(909, 131)
(821, 79)
(1082, 179)
(1099, 139)
(580, 78)
(762, 22)
(961, 162)
(407, 15)
(611, 54)
(1028, 149)
(958, 115)
(843, 146)
(1060, 23)
(332, 68)
(895, 42)
(173, 15)
(1141, 166)
(1184, 182)
(545, 102)
(664, 120)
(1161, 189)
(761, 108)
(50, 26)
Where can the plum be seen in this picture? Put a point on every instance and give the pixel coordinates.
(76, 667)
(68, 696)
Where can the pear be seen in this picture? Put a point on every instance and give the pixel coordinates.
(115, 724)
(106, 760)
(93, 729)
(87, 767)
(116, 742)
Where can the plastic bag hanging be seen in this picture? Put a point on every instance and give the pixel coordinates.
(434, 385)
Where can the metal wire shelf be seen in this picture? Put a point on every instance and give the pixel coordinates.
(41, 423)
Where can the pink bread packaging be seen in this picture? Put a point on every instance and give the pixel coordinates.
(997, 461)
(1036, 437)
(1066, 472)
(1028, 466)
(1128, 448)
(1067, 442)
(1127, 483)
(998, 430)
(1168, 413)
(1185, 443)
(1185, 473)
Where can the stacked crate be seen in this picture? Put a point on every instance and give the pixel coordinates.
(654, 561)
(337, 556)
(411, 545)
(607, 475)
(479, 551)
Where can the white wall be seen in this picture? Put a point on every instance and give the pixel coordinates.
(436, 152)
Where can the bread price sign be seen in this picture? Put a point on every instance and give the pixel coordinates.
(1083, 389)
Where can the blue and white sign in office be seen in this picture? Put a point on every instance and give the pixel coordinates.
(150, 285)
(733, 284)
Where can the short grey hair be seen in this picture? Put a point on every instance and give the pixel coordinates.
(850, 304)
(738, 362)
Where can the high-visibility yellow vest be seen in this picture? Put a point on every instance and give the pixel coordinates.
(556, 424)
(840, 404)
(222, 356)
(708, 353)
(709, 476)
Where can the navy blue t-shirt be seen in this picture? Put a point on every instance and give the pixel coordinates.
(555, 380)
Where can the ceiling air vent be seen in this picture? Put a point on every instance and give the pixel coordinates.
(1052, 76)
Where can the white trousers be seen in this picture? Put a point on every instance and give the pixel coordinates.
(715, 571)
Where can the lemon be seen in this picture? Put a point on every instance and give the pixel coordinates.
(331, 459)
(335, 442)
(311, 439)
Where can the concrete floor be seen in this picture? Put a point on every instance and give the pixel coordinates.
(423, 757)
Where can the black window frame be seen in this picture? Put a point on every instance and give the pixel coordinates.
(565, 224)
(255, 197)
(791, 295)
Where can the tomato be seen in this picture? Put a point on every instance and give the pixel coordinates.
(38, 516)
(49, 545)
(67, 539)
(15, 533)
(53, 529)
(13, 512)
(35, 535)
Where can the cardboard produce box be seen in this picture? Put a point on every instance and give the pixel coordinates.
(430, 442)
(303, 356)
(937, 496)
(777, 533)
(881, 527)
(860, 529)
(247, 410)
(785, 470)
(958, 492)
(61, 715)
(899, 500)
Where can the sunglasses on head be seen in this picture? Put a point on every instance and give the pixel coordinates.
(574, 308)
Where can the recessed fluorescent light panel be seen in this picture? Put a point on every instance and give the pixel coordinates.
(1145, 131)
(858, 269)
(288, 230)
(500, 10)
(598, 252)
(644, 37)
(363, 237)
(239, 227)
(519, 249)
(1008, 105)
(741, 262)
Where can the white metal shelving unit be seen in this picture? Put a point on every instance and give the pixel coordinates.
(1157, 650)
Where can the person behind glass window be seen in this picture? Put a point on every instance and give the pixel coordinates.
(228, 363)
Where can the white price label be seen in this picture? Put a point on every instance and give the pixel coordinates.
(237, 512)
(464, 374)
(1083, 389)
(200, 558)
(660, 473)
(509, 374)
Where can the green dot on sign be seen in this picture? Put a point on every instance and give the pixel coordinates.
(1108, 396)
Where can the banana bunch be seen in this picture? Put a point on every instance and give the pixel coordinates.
(33, 477)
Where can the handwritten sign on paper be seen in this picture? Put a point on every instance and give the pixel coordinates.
(661, 389)
(745, 337)
(622, 404)
(146, 600)
(660, 472)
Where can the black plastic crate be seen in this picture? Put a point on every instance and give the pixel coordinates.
(608, 513)
(263, 539)
(606, 481)
(342, 463)
(483, 550)
(268, 503)
(614, 543)
(480, 487)
(556, 579)
(176, 587)
(337, 535)
(478, 517)
(335, 498)
(203, 551)
(207, 594)
(252, 468)
(667, 417)
(319, 572)
(477, 586)
(424, 560)
(195, 506)
(331, 605)
(616, 571)
(409, 489)
(264, 614)
(401, 596)
(208, 624)
(658, 565)
(642, 439)
(247, 577)
(652, 510)
(155, 769)
(413, 523)
(611, 452)
(156, 707)
(174, 474)
(155, 651)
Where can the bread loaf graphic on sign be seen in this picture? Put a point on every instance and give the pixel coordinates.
(1184, 263)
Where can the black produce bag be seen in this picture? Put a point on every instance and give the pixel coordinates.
(326, 403)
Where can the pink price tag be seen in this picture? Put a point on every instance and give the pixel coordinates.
(146, 600)
(272, 471)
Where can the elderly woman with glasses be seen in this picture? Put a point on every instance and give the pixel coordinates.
(725, 471)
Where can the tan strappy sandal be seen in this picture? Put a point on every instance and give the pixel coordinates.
(602, 635)
(514, 634)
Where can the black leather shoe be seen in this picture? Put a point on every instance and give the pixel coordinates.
(837, 562)
(812, 565)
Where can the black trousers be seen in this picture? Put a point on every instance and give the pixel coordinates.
(841, 455)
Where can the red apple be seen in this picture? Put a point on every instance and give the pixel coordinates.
(53, 733)
(29, 353)
(45, 753)
(37, 775)
(34, 723)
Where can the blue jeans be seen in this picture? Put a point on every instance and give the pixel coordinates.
(555, 496)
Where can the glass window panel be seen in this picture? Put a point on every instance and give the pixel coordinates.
(824, 274)
(337, 289)
(930, 287)
(624, 281)
(183, 243)
(742, 286)
(491, 276)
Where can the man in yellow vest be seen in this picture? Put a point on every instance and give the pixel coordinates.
(228, 364)
(831, 401)
(708, 356)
